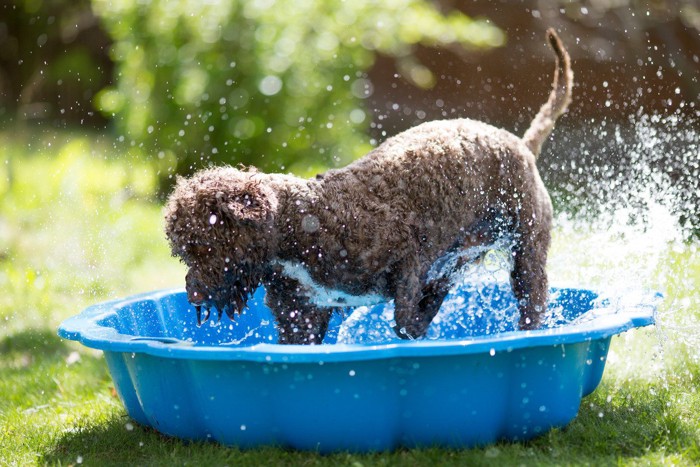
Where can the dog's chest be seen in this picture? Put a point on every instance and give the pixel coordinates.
(322, 296)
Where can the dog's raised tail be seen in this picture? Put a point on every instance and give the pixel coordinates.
(559, 99)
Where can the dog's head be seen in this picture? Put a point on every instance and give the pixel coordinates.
(220, 224)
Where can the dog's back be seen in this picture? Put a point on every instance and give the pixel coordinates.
(429, 185)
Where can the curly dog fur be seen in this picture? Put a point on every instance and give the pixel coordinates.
(378, 229)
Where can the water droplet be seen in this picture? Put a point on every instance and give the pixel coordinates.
(357, 116)
(362, 88)
(310, 223)
(270, 85)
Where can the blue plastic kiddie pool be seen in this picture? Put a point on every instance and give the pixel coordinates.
(474, 380)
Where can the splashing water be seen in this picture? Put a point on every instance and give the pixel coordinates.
(643, 232)
(635, 228)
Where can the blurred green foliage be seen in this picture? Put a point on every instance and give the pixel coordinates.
(278, 84)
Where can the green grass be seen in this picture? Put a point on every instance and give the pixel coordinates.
(79, 224)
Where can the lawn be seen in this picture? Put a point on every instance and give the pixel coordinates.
(79, 224)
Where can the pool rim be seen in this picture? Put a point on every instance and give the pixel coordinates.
(87, 328)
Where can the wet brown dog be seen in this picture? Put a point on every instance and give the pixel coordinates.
(391, 225)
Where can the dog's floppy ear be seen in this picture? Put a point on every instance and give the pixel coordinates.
(254, 202)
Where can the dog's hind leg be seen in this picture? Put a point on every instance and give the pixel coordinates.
(529, 275)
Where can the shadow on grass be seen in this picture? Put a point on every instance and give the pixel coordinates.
(26, 350)
(42, 342)
(636, 422)
(121, 441)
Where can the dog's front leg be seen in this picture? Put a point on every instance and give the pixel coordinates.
(414, 324)
(298, 320)
(409, 321)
